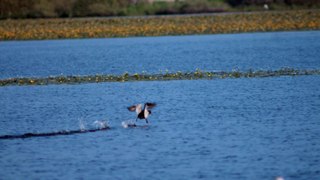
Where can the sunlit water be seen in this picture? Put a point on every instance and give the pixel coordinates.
(256, 128)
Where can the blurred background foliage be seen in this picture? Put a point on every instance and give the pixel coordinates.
(88, 8)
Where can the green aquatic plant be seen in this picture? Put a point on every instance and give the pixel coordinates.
(136, 76)
(197, 74)
(236, 74)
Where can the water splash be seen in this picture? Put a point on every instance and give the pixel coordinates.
(82, 125)
(279, 178)
(128, 123)
(101, 124)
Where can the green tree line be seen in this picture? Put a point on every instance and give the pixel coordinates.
(87, 8)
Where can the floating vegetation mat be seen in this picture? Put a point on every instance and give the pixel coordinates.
(58, 133)
(198, 74)
(159, 25)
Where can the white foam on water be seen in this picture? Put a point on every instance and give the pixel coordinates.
(124, 124)
(101, 124)
(82, 125)
(279, 178)
(127, 123)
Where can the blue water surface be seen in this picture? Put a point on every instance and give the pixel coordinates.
(272, 50)
(205, 129)
(244, 128)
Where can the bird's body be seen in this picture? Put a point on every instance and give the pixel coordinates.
(142, 113)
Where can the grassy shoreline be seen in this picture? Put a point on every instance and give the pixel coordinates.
(39, 29)
(126, 77)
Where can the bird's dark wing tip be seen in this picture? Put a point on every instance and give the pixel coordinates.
(151, 105)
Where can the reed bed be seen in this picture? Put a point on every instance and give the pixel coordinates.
(159, 25)
(198, 74)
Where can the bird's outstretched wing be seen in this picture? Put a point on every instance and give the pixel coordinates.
(150, 105)
(132, 108)
(136, 108)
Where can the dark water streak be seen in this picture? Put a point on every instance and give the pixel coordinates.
(58, 133)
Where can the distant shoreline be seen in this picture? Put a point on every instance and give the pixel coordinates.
(162, 25)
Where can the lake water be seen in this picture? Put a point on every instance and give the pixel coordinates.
(247, 128)
(155, 54)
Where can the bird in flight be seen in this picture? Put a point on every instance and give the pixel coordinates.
(142, 113)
